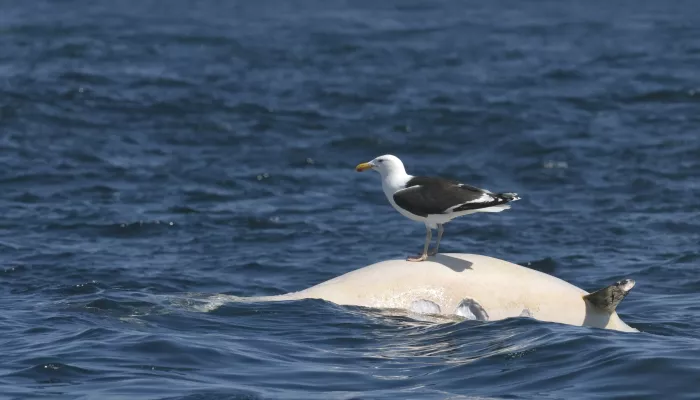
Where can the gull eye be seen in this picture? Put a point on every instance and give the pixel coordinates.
(380, 161)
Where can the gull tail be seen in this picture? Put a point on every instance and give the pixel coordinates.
(509, 196)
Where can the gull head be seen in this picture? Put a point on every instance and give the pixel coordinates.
(386, 165)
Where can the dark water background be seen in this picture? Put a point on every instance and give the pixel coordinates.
(152, 152)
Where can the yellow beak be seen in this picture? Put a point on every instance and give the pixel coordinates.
(363, 166)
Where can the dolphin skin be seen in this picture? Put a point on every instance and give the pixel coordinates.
(471, 286)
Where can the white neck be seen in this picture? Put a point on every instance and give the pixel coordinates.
(394, 181)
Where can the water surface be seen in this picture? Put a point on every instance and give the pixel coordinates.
(154, 153)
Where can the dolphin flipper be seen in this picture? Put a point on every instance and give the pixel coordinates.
(609, 297)
(470, 309)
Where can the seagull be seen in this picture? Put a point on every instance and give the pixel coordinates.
(434, 201)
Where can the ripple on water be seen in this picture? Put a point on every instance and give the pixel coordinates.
(55, 373)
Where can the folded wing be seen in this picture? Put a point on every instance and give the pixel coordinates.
(427, 195)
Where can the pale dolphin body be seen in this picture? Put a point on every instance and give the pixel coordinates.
(472, 286)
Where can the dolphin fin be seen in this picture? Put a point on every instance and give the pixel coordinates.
(609, 297)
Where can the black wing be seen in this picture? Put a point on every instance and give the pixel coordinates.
(429, 195)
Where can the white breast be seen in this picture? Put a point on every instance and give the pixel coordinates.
(392, 184)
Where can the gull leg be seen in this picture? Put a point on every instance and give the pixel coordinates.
(424, 255)
(441, 229)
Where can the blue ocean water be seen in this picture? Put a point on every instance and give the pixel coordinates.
(154, 152)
